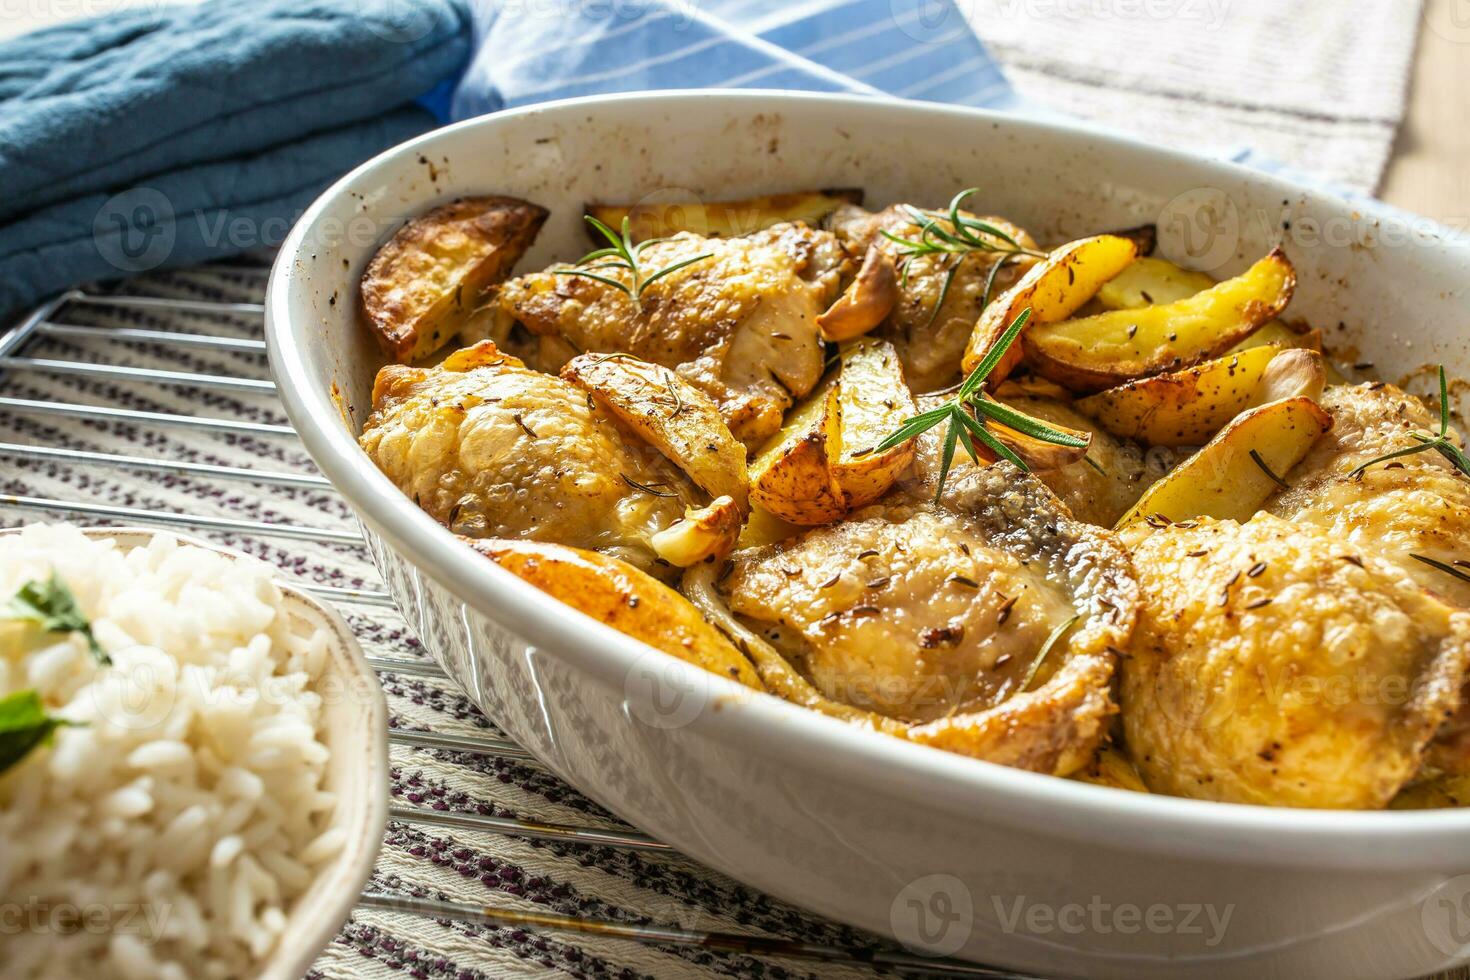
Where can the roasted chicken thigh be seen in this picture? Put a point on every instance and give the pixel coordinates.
(739, 324)
(1412, 505)
(1280, 663)
(492, 449)
(983, 623)
(930, 341)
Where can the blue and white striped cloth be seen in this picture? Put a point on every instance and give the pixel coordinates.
(911, 49)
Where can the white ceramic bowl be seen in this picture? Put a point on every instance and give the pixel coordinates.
(943, 852)
(355, 730)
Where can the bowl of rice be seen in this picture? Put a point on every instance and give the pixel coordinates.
(193, 761)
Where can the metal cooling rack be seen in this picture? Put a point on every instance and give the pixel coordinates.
(48, 321)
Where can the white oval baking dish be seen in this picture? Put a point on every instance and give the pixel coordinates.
(945, 853)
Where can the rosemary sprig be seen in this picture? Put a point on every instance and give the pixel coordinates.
(1051, 640)
(1256, 458)
(963, 236)
(965, 428)
(1440, 443)
(1448, 569)
(622, 253)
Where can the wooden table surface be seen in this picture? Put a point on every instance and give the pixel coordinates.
(1430, 170)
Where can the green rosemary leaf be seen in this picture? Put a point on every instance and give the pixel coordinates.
(1444, 404)
(606, 232)
(1021, 422)
(1051, 640)
(1453, 453)
(592, 275)
(1442, 566)
(992, 357)
(1427, 444)
(943, 292)
(1256, 458)
(995, 445)
(672, 268)
(945, 460)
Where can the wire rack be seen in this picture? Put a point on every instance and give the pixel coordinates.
(103, 358)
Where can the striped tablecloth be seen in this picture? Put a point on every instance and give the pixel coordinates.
(474, 867)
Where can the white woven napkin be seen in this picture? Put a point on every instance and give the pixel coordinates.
(1317, 84)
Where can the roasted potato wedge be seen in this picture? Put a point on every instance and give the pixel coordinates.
(1181, 408)
(1107, 349)
(790, 477)
(423, 286)
(619, 595)
(670, 414)
(823, 463)
(763, 528)
(1053, 289)
(873, 401)
(722, 219)
(1150, 282)
(867, 300)
(1223, 480)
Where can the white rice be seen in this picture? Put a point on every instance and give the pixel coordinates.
(168, 836)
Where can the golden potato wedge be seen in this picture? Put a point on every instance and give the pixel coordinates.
(873, 401)
(1107, 349)
(1181, 408)
(823, 463)
(703, 532)
(1151, 282)
(722, 219)
(763, 528)
(1224, 480)
(427, 281)
(867, 300)
(1278, 333)
(790, 477)
(670, 414)
(1053, 290)
(630, 601)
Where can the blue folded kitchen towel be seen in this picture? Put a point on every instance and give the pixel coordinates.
(221, 111)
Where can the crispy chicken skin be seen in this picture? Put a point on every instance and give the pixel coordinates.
(1277, 663)
(490, 448)
(739, 325)
(1411, 505)
(926, 620)
(930, 343)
